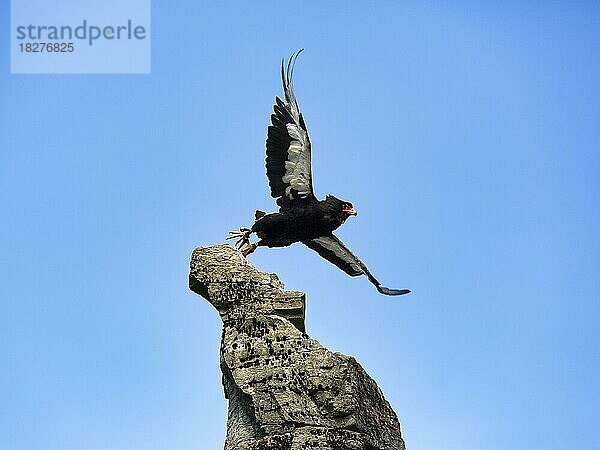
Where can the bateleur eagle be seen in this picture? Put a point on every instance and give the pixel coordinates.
(301, 217)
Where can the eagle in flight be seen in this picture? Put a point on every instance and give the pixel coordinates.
(301, 217)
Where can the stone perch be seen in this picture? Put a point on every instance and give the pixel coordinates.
(285, 391)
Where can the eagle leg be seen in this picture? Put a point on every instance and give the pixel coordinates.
(248, 249)
(242, 237)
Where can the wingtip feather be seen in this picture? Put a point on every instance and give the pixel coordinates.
(387, 291)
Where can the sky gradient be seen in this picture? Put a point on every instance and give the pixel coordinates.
(466, 136)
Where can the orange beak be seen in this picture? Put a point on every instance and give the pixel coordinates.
(350, 211)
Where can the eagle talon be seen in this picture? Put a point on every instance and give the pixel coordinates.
(242, 237)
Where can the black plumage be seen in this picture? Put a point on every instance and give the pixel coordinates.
(301, 217)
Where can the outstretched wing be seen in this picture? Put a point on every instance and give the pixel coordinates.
(288, 145)
(334, 251)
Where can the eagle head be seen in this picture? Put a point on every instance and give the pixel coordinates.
(340, 208)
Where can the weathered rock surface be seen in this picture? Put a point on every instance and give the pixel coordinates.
(285, 391)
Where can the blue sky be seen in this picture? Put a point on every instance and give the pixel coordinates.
(466, 135)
